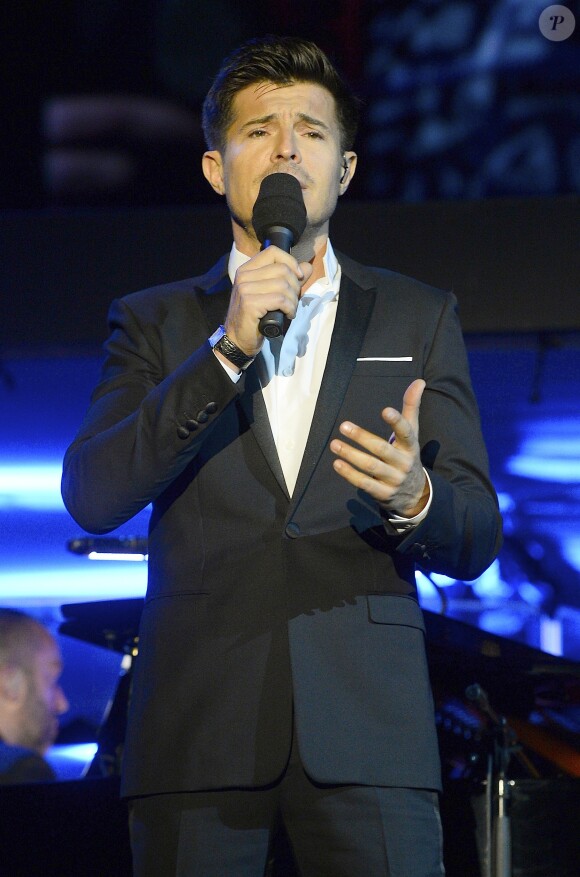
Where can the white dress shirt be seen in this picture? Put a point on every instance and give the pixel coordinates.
(291, 366)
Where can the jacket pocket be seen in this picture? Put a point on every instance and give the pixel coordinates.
(393, 609)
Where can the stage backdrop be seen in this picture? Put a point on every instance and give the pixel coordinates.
(514, 264)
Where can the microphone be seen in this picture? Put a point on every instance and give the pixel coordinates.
(479, 695)
(476, 693)
(279, 218)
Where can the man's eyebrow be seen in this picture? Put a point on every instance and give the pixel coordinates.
(261, 120)
(271, 117)
(318, 123)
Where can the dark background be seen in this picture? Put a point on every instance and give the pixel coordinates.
(460, 98)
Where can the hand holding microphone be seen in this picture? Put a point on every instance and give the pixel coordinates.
(279, 219)
(272, 278)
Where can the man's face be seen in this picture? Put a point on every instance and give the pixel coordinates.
(281, 128)
(45, 700)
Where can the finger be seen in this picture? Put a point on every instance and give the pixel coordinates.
(377, 489)
(366, 474)
(267, 278)
(271, 287)
(405, 424)
(367, 463)
(275, 256)
(412, 403)
(307, 270)
(375, 445)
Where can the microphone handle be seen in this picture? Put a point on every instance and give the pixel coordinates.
(272, 323)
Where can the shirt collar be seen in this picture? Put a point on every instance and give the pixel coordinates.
(331, 269)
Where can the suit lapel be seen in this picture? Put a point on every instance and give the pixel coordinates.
(254, 407)
(355, 306)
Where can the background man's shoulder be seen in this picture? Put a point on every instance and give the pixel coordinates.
(20, 765)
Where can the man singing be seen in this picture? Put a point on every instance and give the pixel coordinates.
(296, 483)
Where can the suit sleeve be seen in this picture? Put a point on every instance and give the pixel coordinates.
(144, 425)
(462, 532)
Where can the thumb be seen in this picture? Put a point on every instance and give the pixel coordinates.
(412, 403)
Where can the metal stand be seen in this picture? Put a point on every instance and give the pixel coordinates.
(497, 855)
(501, 842)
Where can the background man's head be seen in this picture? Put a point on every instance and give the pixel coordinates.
(283, 61)
(31, 699)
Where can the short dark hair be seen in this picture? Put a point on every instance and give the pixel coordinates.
(284, 61)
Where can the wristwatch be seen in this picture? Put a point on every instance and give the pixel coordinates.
(220, 341)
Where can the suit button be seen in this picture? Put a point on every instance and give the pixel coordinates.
(202, 416)
(182, 432)
(292, 530)
(191, 424)
(211, 407)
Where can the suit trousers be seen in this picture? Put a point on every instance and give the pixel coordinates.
(333, 831)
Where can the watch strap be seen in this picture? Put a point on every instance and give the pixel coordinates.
(220, 341)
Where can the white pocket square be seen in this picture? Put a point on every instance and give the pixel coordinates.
(385, 359)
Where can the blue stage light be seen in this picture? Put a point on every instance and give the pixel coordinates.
(491, 586)
(31, 486)
(79, 582)
(549, 452)
(571, 550)
(75, 752)
(563, 471)
(502, 622)
(71, 762)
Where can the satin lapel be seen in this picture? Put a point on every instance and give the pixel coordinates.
(254, 407)
(355, 306)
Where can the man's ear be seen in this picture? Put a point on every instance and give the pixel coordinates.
(348, 169)
(12, 685)
(212, 167)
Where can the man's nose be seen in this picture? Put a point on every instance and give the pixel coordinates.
(286, 147)
(61, 702)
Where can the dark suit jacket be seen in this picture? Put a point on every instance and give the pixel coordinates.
(21, 765)
(259, 603)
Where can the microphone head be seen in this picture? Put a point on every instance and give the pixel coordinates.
(476, 693)
(279, 203)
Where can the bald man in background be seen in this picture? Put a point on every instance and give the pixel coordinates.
(31, 698)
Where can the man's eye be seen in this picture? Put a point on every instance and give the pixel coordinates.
(314, 135)
(258, 132)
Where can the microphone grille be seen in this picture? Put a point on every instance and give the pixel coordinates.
(279, 202)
